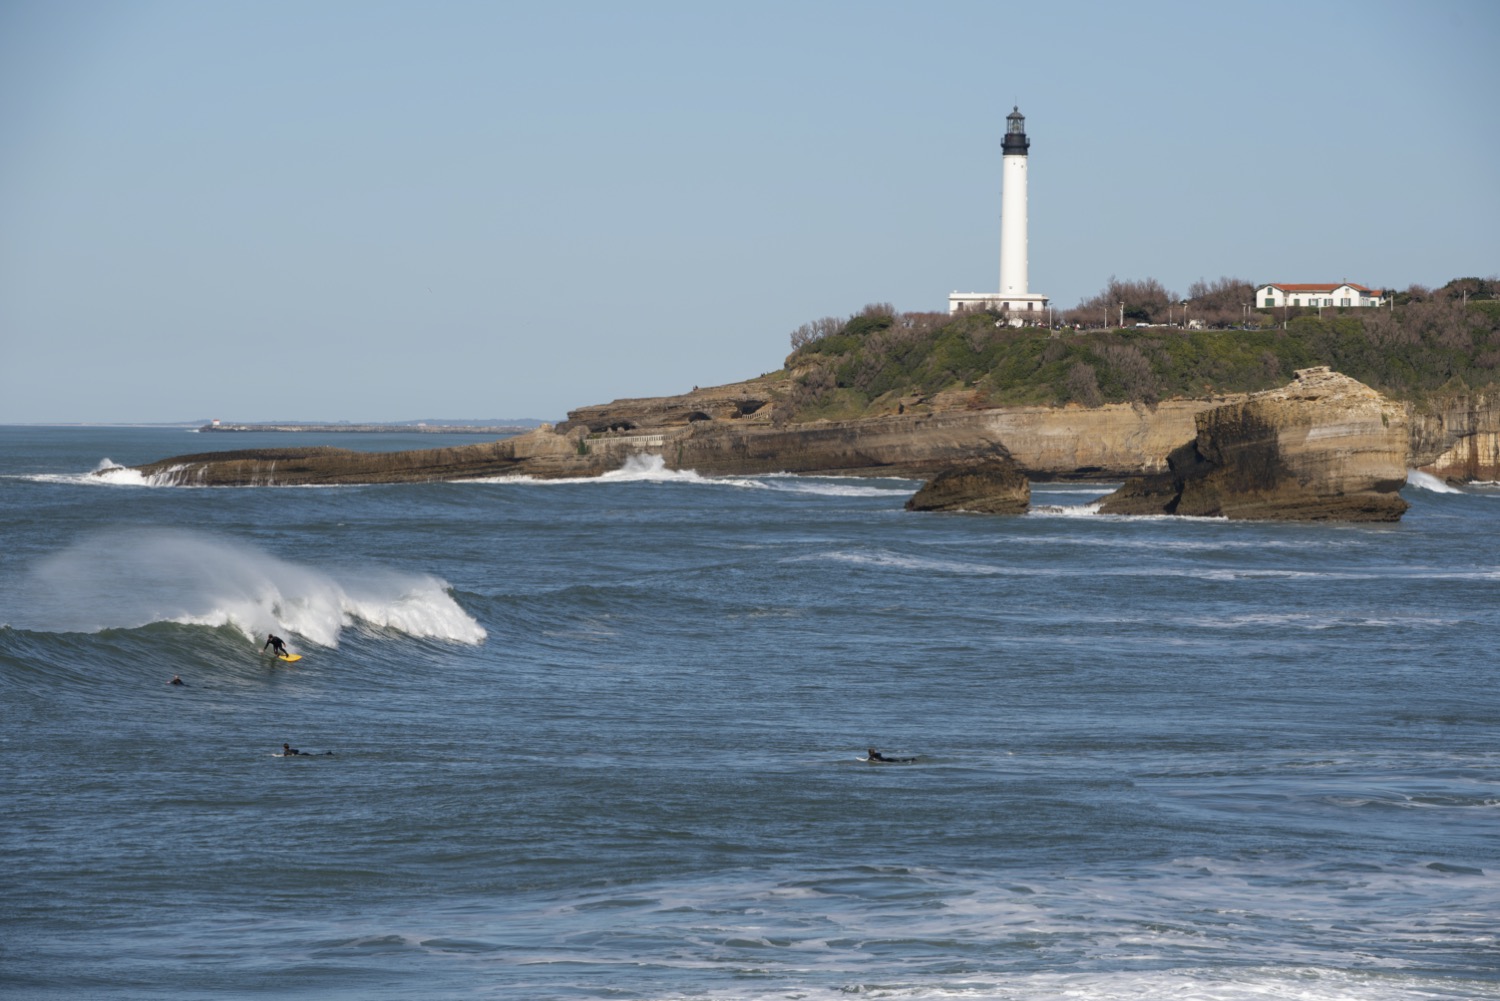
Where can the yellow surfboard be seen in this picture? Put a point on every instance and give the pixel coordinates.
(290, 658)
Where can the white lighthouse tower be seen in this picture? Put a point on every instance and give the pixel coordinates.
(1013, 206)
(1014, 297)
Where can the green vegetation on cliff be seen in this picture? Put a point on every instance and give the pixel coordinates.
(879, 361)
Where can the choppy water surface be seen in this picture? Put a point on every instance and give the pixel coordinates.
(601, 740)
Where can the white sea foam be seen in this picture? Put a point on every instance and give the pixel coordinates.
(883, 558)
(1195, 927)
(1192, 543)
(1041, 492)
(826, 487)
(1093, 510)
(1063, 510)
(122, 579)
(108, 473)
(653, 469)
(1426, 481)
(1294, 620)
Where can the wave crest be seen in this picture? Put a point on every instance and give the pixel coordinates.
(1426, 481)
(123, 579)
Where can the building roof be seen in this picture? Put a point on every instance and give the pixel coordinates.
(1316, 287)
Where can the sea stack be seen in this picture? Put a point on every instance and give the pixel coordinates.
(1324, 448)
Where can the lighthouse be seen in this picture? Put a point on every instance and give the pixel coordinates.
(1014, 297)
(1013, 206)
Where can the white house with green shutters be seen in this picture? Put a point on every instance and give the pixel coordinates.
(1345, 294)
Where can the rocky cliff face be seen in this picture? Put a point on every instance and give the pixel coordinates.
(735, 429)
(1321, 432)
(1323, 448)
(1458, 438)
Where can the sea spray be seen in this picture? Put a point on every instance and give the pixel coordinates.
(653, 469)
(1426, 481)
(126, 578)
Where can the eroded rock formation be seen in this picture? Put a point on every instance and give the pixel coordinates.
(989, 485)
(716, 403)
(1457, 438)
(1323, 448)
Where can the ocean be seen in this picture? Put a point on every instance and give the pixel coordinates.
(603, 740)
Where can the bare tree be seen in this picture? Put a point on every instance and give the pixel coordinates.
(1220, 303)
(1133, 371)
(1143, 301)
(1082, 384)
(815, 331)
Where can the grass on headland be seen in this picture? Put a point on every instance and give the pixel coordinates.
(862, 365)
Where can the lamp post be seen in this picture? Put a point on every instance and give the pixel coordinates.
(1122, 314)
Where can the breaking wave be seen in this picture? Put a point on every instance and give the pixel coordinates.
(1426, 481)
(124, 579)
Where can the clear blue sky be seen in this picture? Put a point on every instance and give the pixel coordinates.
(382, 211)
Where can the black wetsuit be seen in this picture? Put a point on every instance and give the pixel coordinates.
(277, 645)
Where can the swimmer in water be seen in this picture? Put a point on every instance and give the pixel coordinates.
(177, 680)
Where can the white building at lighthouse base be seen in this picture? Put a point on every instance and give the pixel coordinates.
(1024, 309)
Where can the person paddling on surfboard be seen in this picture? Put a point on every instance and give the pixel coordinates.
(876, 755)
(287, 750)
(277, 645)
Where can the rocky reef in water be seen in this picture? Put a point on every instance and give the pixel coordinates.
(1325, 448)
(988, 485)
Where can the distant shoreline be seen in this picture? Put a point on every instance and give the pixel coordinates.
(373, 428)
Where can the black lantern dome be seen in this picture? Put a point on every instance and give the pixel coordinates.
(1016, 142)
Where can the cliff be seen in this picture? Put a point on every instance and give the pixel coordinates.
(1457, 437)
(1323, 448)
(735, 430)
(741, 429)
(738, 429)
